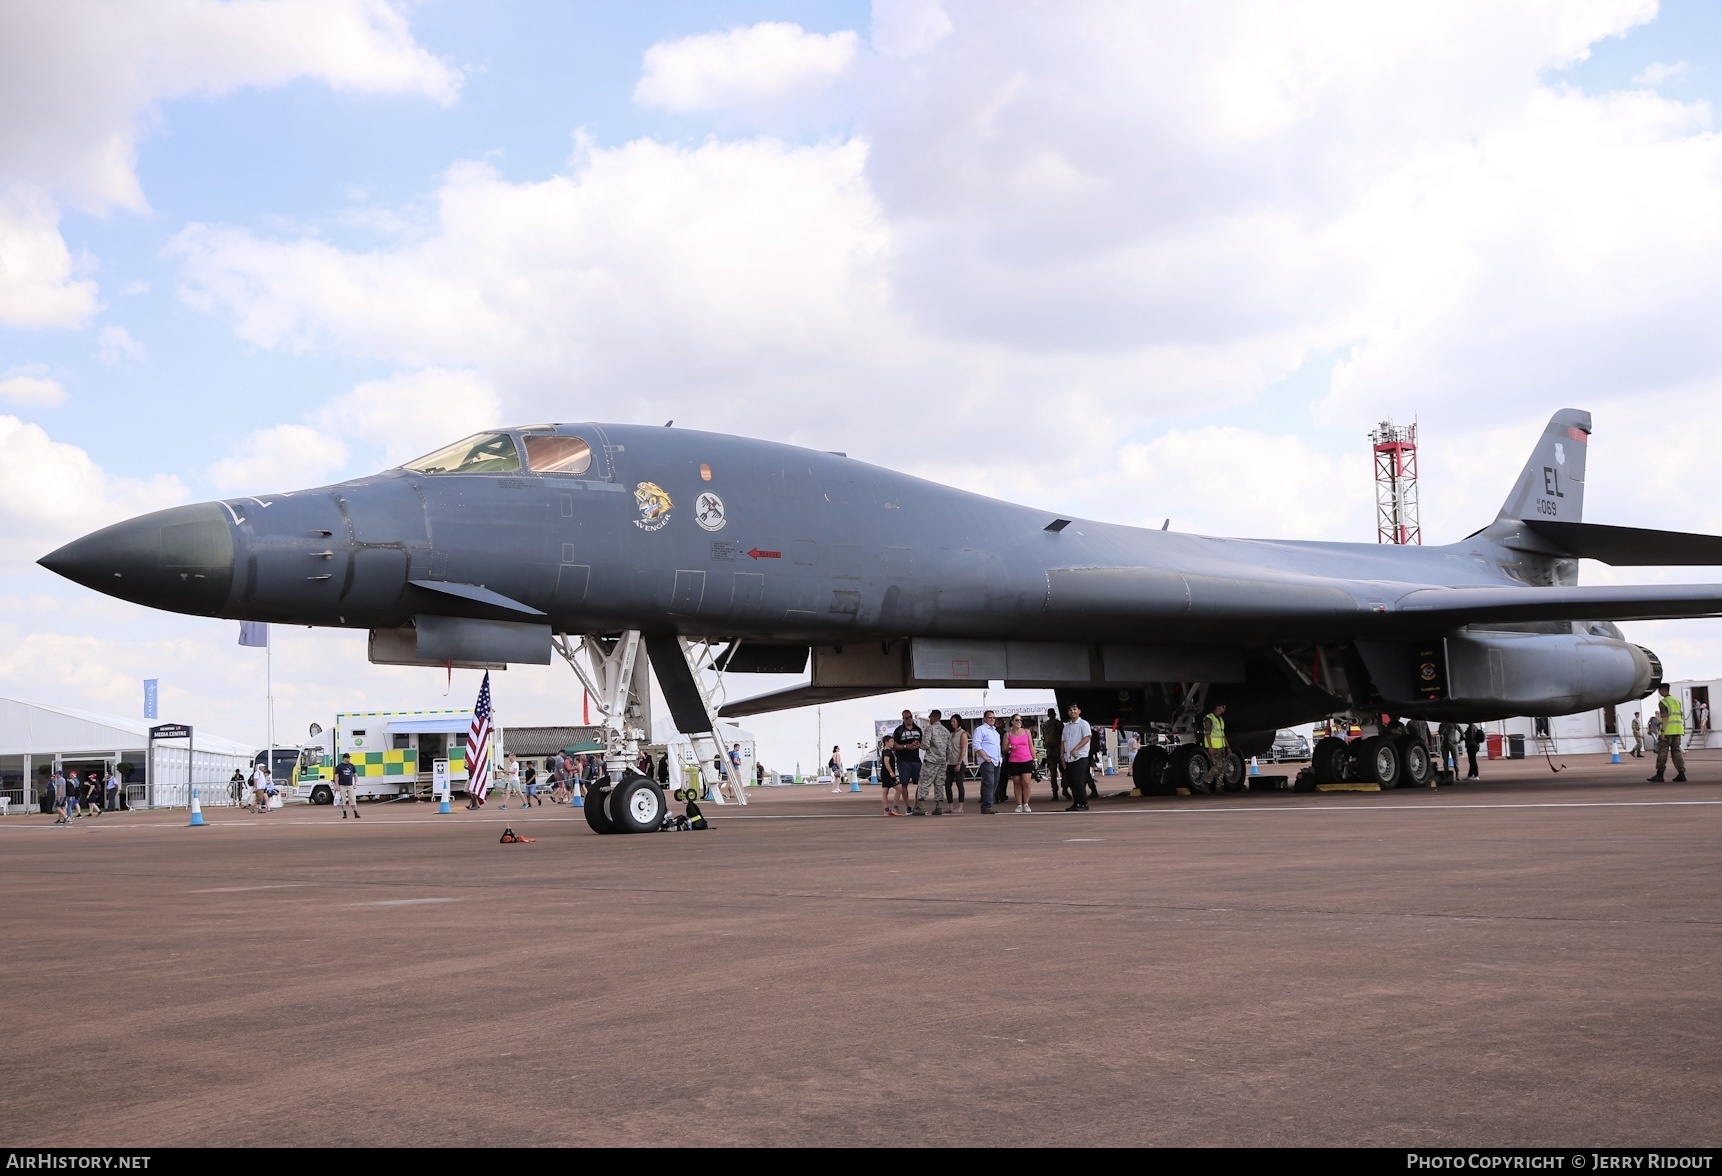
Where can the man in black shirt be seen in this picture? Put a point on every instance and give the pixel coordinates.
(907, 740)
(345, 777)
(1474, 739)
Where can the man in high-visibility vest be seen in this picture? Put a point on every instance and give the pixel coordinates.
(1219, 752)
(1673, 727)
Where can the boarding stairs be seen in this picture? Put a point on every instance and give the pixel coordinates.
(723, 788)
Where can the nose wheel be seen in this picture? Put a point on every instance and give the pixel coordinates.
(596, 807)
(636, 805)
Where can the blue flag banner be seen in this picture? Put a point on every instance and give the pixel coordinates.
(149, 698)
(254, 633)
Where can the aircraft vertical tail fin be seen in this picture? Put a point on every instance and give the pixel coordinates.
(1552, 484)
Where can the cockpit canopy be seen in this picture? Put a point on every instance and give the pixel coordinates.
(539, 450)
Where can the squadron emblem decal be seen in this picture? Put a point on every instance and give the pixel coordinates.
(655, 506)
(709, 511)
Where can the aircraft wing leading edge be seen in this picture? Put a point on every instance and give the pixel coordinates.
(1138, 596)
(1602, 602)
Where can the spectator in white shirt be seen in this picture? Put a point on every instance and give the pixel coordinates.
(1077, 738)
(987, 759)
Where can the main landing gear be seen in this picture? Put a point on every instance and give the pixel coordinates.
(1382, 760)
(1157, 771)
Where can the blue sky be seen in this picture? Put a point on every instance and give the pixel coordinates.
(1149, 235)
(1687, 31)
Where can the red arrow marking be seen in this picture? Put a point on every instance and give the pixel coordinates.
(756, 553)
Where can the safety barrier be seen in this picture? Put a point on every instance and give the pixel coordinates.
(210, 794)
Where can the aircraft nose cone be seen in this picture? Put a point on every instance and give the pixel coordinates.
(179, 559)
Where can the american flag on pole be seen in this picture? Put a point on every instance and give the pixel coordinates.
(478, 745)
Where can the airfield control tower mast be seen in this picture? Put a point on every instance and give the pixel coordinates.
(1396, 484)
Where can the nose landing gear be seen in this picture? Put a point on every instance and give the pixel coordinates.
(614, 672)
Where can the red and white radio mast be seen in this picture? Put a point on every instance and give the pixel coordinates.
(1396, 484)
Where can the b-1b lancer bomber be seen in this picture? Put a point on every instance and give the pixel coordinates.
(623, 546)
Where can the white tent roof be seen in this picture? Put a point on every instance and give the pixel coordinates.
(732, 734)
(33, 728)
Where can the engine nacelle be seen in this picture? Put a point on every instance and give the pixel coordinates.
(1501, 674)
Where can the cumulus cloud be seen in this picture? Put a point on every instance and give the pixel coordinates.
(1569, 253)
(29, 386)
(116, 345)
(276, 457)
(1098, 175)
(645, 273)
(81, 78)
(1278, 486)
(410, 414)
(80, 81)
(37, 283)
(61, 493)
(738, 285)
(379, 424)
(755, 68)
(906, 28)
(1658, 72)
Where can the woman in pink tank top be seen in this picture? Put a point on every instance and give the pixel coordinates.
(1019, 762)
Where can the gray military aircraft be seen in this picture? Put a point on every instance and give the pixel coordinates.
(619, 546)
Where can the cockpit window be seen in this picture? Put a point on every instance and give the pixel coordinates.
(558, 455)
(481, 453)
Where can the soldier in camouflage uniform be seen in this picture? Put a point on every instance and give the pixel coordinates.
(937, 747)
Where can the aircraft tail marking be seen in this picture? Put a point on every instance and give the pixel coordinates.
(1552, 484)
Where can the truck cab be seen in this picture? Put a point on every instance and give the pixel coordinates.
(282, 763)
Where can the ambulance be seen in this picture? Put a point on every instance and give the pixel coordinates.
(394, 754)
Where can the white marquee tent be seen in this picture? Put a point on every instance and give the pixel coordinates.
(33, 734)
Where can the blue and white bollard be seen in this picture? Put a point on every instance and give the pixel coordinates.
(1255, 768)
(854, 782)
(196, 810)
(1614, 752)
(579, 800)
